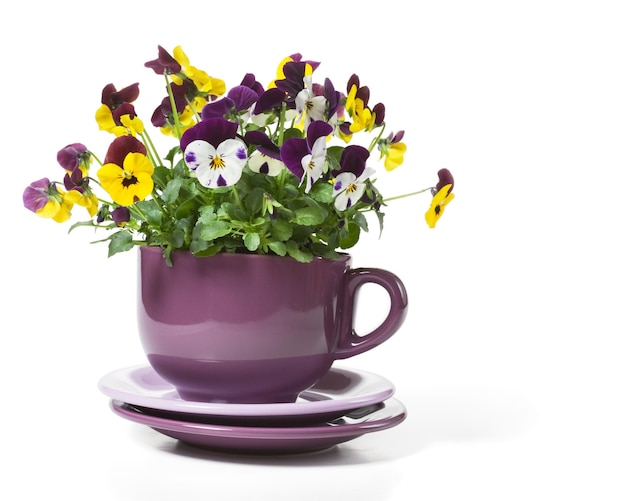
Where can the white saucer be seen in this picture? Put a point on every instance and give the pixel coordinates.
(339, 391)
(271, 440)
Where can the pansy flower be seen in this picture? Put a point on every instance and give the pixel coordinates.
(164, 64)
(75, 159)
(120, 216)
(79, 192)
(393, 150)
(44, 199)
(442, 196)
(305, 158)
(267, 105)
(117, 114)
(293, 58)
(350, 181)
(265, 159)
(295, 73)
(127, 172)
(213, 152)
(240, 98)
(309, 106)
(187, 103)
(73, 155)
(206, 84)
(363, 118)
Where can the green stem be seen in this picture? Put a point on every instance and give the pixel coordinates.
(155, 154)
(398, 197)
(193, 110)
(376, 139)
(177, 127)
(97, 159)
(150, 154)
(281, 123)
(237, 197)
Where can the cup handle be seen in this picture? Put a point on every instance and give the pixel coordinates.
(350, 342)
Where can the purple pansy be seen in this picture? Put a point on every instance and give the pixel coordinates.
(72, 156)
(239, 98)
(271, 99)
(120, 215)
(36, 195)
(266, 158)
(305, 158)
(350, 180)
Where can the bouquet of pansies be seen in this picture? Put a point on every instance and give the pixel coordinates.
(269, 169)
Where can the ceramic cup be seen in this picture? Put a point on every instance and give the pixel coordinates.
(248, 328)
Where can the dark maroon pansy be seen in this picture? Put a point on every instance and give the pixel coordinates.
(113, 98)
(445, 178)
(379, 111)
(164, 64)
(122, 146)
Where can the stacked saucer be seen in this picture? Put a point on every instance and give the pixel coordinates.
(343, 405)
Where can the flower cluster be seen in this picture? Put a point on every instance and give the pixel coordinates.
(274, 169)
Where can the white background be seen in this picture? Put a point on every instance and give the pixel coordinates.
(512, 360)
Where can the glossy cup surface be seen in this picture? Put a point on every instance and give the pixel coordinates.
(241, 328)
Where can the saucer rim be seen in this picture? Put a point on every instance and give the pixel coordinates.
(109, 384)
(393, 413)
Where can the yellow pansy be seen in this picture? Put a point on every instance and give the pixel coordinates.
(129, 183)
(442, 198)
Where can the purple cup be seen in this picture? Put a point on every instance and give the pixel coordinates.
(249, 328)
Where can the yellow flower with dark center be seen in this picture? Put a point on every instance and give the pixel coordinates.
(442, 198)
(129, 183)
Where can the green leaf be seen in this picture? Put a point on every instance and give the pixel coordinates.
(160, 176)
(210, 250)
(333, 155)
(301, 255)
(278, 248)
(178, 238)
(172, 153)
(170, 193)
(281, 230)
(186, 208)
(361, 220)
(148, 211)
(121, 241)
(198, 246)
(292, 132)
(214, 229)
(381, 216)
(252, 241)
(254, 201)
(232, 211)
(322, 193)
(351, 237)
(207, 214)
(308, 216)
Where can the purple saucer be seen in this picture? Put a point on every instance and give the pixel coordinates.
(339, 391)
(272, 440)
